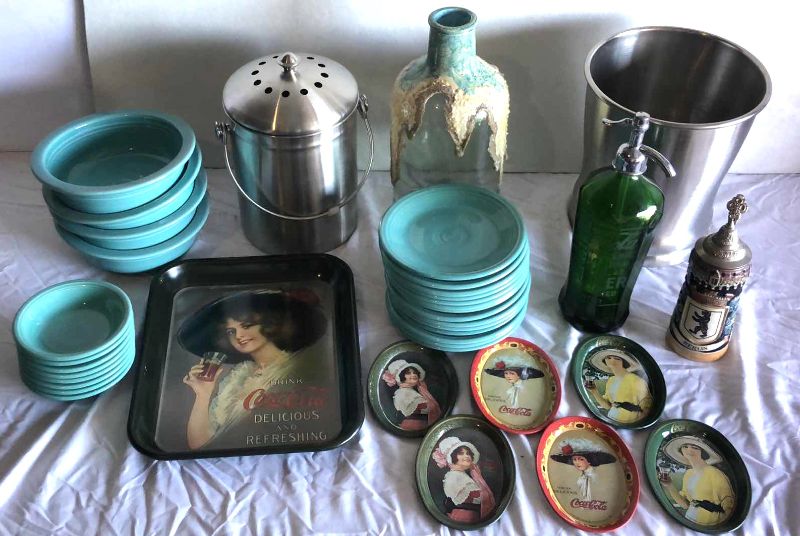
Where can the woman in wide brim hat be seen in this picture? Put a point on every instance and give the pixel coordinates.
(412, 399)
(291, 319)
(584, 455)
(627, 396)
(706, 492)
(468, 498)
(515, 371)
(264, 334)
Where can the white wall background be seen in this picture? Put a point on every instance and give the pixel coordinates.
(176, 56)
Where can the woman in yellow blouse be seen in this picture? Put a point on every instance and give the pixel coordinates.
(627, 396)
(706, 492)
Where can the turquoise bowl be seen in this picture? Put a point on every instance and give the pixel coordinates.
(70, 372)
(111, 162)
(73, 321)
(67, 395)
(452, 232)
(147, 235)
(140, 260)
(160, 207)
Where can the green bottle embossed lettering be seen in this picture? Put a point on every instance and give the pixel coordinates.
(618, 210)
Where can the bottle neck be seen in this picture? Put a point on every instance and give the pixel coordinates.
(452, 38)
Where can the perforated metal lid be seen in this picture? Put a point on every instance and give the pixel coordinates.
(290, 94)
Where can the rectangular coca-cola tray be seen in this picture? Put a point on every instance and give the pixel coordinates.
(248, 355)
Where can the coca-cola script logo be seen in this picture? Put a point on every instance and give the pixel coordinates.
(306, 398)
(524, 412)
(589, 505)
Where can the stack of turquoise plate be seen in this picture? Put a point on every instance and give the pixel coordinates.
(126, 189)
(75, 339)
(456, 263)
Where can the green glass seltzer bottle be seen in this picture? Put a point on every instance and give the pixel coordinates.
(618, 210)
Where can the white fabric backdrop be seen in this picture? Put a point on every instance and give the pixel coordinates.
(68, 468)
(177, 56)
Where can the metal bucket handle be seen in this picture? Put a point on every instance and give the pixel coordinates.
(223, 129)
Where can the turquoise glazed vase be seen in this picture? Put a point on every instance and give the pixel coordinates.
(449, 112)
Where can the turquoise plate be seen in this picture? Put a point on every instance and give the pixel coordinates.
(110, 162)
(147, 235)
(460, 297)
(140, 260)
(413, 316)
(461, 327)
(452, 232)
(73, 321)
(158, 208)
(432, 315)
(462, 306)
(435, 284)
(453, 343)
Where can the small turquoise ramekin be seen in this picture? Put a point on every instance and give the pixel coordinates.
(140, 260)
(158, 208)
(57, 371)
(80, 394)
(111, 162)
(147, 235)
(90, 382)
(73, 321)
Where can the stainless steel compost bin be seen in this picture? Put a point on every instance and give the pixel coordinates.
(291, 150)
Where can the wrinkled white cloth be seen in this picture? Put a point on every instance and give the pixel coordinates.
(68, 468)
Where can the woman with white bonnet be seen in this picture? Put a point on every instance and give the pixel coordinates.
(412, 399)
(468, 497)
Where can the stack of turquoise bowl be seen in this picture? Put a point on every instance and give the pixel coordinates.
(456, 262)
(126, 189)
(75, 339)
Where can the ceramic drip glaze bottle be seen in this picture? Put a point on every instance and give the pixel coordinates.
(719, 267)
(618, 210)
(449, 111)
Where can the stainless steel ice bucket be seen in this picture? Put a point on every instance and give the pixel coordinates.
(291, 150)
(702, 93)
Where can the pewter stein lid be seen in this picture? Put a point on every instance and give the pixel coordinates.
(290, 94)
(724, 249)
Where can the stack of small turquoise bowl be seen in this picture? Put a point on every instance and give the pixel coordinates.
(75, 339)
(456, 262)
(126, 189)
